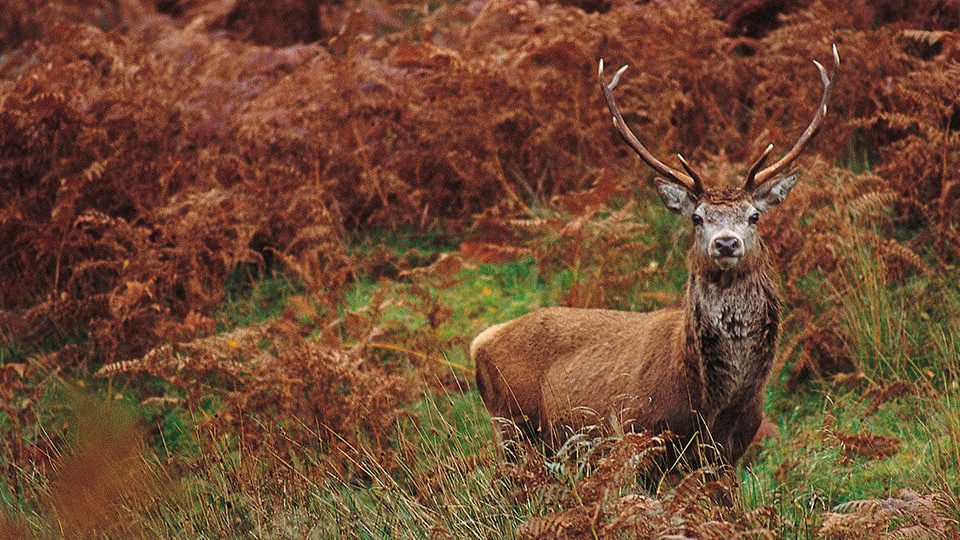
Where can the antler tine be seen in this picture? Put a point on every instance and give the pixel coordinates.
(697, 183)
(808, 134)
(749, 185)
(671, 174)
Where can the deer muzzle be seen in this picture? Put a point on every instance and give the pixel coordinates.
(726, 251)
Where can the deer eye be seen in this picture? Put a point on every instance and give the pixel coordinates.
(697, 220)
(754, 218)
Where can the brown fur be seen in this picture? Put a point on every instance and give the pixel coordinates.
(703, 364)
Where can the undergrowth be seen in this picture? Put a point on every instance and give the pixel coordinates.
(245, 250)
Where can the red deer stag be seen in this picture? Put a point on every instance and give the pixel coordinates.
(700, 365)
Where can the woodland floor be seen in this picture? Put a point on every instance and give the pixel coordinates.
(245, 249)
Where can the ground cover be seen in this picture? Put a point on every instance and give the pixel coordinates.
(245, 250)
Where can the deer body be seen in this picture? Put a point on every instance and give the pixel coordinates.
(700, 366)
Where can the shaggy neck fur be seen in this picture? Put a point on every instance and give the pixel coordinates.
(732, 322)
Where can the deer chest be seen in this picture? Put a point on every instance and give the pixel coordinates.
(737, 344)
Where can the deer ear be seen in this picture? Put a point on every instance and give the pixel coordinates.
(772, 193)
(676, 198)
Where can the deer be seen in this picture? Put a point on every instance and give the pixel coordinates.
(697, 369)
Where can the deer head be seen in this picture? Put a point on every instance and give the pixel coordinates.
(724, 219)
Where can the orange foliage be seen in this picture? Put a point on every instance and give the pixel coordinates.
(152, 152)
(147, 154)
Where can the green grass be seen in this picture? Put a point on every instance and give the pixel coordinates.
(806, 471)
(265, 300)
(445, 472)
(802, 475)
(484, 294)
(437, 484)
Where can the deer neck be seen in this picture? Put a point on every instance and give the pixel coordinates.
(732, 320)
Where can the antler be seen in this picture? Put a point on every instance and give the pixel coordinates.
(671, 174)
(756, 176)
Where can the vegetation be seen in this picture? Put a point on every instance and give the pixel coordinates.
(245, 251)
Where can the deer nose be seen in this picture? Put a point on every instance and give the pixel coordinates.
(727, 246)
